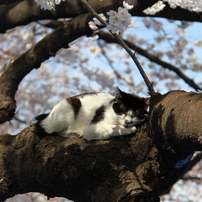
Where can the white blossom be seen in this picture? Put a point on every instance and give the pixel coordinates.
(123, 12)
(120, 20)
(127, 6)
(48, 4)
(191, 5)
(115, 19)
(57, 2)
(93, 24)
(94, 50)
(112, 28)
(111, 13)
(158, 6)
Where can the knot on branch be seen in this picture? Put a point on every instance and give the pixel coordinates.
(7, 110)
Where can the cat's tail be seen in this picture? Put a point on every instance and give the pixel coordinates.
(40, 117)
(41, 130)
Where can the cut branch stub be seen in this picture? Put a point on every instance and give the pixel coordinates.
(7, 108)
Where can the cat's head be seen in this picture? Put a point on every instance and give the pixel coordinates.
(130, 108)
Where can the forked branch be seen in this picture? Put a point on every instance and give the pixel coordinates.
(128, 50)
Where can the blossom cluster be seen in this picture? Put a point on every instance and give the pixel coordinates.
(158, 6)
(48, 4)
(192, 5)
(195, 6)
(118, 21)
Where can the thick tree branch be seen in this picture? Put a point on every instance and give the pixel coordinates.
(28, 11)
(9, 1)
(110, 39)
(134, 166)
(31, 59)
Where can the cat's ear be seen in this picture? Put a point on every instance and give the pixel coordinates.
(146, 102)
(119, 94)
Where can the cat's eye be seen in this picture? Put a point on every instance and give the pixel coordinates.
(122, 108)
(119, 108)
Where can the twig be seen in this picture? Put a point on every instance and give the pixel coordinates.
(110, 39)
(118, 76)
(128, 50)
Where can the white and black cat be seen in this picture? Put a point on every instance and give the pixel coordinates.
(96, 115)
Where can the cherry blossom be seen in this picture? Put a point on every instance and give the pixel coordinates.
(93, 24)
(126, 5)
(195, 6)
(48, 4)
(192, 5)
(120, 20)
(155, 8)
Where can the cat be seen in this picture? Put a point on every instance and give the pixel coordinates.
(96, 116)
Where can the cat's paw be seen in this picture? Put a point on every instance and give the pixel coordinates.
(132, 130)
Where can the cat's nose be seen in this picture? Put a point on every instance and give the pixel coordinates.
(127, 122)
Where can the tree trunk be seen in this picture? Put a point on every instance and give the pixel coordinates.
(137, 167)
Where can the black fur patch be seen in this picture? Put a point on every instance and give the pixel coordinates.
(99, 115)
(126, 101)
(40, 117)
(75, 103)
(39, 130)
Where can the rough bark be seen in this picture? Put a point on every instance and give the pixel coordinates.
(140, 166)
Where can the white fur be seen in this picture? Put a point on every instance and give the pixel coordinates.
(130, 119)
(61, 119)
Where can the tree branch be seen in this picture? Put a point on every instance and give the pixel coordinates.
(120, 169)
(117, 75)
(28, 11)
(128, 50)
(9, 1)
(110, 39)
